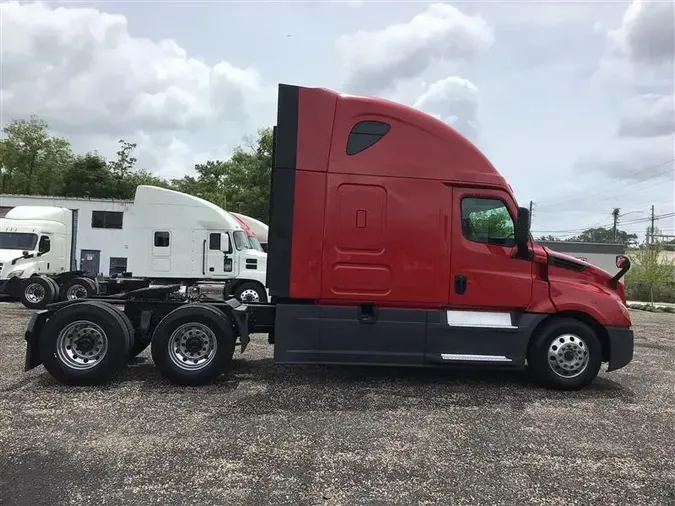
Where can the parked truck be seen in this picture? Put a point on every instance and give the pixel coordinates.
(350, 284)
(255, 228)
(171, 237)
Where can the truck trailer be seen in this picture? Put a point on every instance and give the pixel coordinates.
(170, 237)
(348, 282)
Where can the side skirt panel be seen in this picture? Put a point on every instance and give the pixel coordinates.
(306, 333)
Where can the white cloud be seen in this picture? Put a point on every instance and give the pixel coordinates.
(83, 72)
(647, 32)
(632, 159)
(649, 116)
(377, 60)
(454, 100)
(642, 49)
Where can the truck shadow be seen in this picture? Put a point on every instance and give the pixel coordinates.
(260, 386)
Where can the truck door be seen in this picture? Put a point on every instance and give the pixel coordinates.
(484, 272)
(220, 258)
(487, 284)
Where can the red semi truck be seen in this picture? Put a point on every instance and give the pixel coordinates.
(351, 177)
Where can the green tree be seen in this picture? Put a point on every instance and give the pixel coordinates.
(493, 223)
(600, 234)
(239, 184)
(651, 269)
(33, 162)
(249, 172)
(89, 176)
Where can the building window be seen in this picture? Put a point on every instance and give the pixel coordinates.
(106, 219)
(118, 266)
(161, 239)
(488, 221)
(365, 134)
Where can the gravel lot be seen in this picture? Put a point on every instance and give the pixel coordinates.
(267, 434)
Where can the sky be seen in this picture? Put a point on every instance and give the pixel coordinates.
(573, 102)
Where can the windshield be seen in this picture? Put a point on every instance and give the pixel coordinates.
(18, 240)
(255, 243)
(241, 240)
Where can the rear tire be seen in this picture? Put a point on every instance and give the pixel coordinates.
(38, 292)
(124, 320)
(250, 292)
(193, 344)
(84, 344)
(57, 289)
(565, 354)
(77, 288)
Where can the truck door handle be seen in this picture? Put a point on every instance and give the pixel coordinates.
(460, 284)
(367, 313)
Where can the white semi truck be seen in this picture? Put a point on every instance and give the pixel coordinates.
(172, 238)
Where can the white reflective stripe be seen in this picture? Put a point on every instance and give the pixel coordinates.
(475, 358)
(480, 319)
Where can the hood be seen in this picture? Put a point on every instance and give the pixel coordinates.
(254, 253)
(567, 266)
(572, 263)
(7, 255)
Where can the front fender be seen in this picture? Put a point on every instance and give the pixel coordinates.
(601, 304)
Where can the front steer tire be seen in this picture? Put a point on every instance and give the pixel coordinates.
(565, 354)
(38, 291)
(250, 292)
(84, 344)
(193, 345)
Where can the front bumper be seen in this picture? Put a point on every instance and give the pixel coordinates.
(621, 342)
(11, 287)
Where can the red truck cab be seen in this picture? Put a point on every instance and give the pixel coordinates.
(393, 240)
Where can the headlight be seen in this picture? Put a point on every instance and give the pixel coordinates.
(15, 274)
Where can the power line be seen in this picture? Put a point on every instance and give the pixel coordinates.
(607, 225)
(555, 203)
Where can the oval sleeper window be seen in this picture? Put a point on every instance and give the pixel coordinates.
(365, 134)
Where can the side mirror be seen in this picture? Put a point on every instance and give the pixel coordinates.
(224, 242)
(522, 232)
(25, 254)
(622, 261)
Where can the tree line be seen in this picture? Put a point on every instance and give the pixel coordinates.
(34, 162)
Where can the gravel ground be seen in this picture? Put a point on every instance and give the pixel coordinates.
(267, 434)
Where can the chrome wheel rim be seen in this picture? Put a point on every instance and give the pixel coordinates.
(35, 293)
(250, 295)
(76, 292)
(192, 346)
(81, 345)
(568, 356)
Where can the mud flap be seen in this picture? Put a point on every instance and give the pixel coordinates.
(240, 316)
(33, 330)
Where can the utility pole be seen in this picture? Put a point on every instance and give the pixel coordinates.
(615, 214)
(652, 229)
(531, 210)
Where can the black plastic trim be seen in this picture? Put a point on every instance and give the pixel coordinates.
(621, 344)
(566, 264)
(282, 192)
